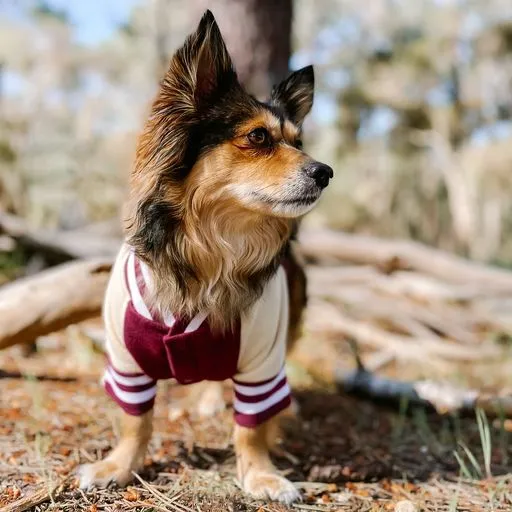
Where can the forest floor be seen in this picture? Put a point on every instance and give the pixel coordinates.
(344, 454)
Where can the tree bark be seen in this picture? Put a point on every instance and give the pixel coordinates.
(258, 37)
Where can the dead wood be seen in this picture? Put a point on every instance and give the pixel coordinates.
(46, 302)
(420, 319)
(60, 246)
(324, 317)
(392, 255)
(32, 500)
(442, 397)
(408, 314)
(46, 378)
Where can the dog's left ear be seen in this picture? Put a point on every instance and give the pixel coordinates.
(295, 94)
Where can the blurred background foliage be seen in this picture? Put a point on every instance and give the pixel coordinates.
(413, 106)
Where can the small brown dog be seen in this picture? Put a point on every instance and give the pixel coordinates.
(206, 287)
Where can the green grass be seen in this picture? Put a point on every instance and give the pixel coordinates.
(11, 264)
(470, 467)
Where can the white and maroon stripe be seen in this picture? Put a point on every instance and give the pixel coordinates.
(256, 402)
(136, 286)
(133, 392)
(138, 279)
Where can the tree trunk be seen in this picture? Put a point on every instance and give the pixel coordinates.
(258, 37)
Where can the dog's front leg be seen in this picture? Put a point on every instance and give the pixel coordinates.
(127, 456)
(255, 470)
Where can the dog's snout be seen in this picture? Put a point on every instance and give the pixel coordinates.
(321, 173)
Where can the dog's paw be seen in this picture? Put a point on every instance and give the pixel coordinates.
(267, 485)
(100, 474)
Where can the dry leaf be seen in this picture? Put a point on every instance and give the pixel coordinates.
(131, 494)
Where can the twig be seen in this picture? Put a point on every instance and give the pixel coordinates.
(441, 397)
(303, 506)
(28, 502)
(170, 501)
(19, 375)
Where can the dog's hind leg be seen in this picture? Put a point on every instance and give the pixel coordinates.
(255, 470)
(127, 456)
(203, 400)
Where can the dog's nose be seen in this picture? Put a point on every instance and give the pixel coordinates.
(321, 173)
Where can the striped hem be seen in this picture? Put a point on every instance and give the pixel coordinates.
(254, 399)
(253, 420)
(134, 393)
(255, 403)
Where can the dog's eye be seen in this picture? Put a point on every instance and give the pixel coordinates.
(259, 137)
(298, 144)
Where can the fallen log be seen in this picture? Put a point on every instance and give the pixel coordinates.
(51, 300)
(431, 318)
(419, 312)
(60, 246)
(392, 255)
(322, 318)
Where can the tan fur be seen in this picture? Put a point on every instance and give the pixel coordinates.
(202, 400)
(255, 470)
(260, 166)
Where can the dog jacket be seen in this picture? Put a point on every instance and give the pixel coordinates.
(142, 347)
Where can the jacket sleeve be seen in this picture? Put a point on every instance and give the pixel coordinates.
(261, 388)
(123, 379)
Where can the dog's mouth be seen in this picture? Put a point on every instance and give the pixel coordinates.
(302, 200)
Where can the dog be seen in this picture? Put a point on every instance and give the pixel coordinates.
(207, 286)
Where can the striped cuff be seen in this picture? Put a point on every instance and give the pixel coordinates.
(133, 392)
(255, 403)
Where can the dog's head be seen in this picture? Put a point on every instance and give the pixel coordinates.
(210, 146)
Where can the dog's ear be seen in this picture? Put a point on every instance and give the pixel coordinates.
(201, 70)
(295, 94)
(215, 73)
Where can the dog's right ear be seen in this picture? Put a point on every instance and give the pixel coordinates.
(202, 70)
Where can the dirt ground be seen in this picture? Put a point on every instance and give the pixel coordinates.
(344, 454)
